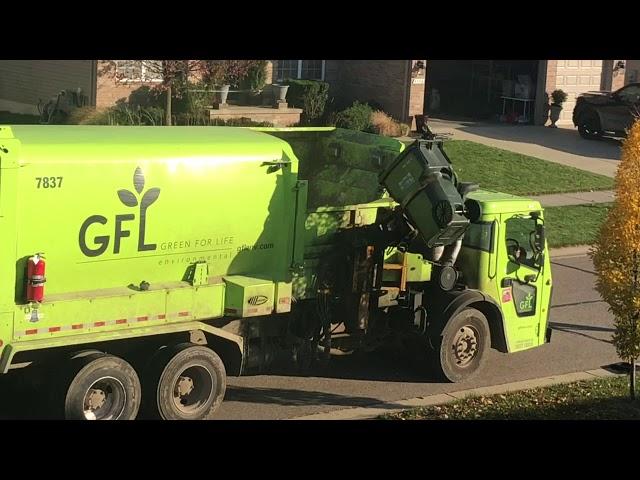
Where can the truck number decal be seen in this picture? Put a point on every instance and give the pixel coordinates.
(49, 182)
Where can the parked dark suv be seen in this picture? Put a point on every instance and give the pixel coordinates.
(606, 113)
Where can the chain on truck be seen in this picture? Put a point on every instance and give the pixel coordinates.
(142, 265)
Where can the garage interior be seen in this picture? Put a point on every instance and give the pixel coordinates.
(473, 89)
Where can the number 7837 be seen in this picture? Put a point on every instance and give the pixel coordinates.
(48, 182)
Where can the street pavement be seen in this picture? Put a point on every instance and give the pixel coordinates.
(581, 340)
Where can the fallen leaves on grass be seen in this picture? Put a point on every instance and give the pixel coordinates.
(601, 399)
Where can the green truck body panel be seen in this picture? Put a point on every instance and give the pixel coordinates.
(151, 230)
(114, 207)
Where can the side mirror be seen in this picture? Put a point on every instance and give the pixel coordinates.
(539, 239)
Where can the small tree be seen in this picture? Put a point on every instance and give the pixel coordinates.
(177, 73)
(227, 72)
(616, 255)
(171, 72)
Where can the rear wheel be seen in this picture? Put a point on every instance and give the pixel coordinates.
(459, 351)
(185, 382)
(101, 387)
(589, 126)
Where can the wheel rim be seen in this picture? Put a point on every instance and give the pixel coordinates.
(105, 399)
(465, 345)
(192, 389)
(589, 126)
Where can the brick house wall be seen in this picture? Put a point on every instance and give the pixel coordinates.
(417, 91)
(632, 74)
(618, 76)
(382, 81)
(109, 90)
(391, 83)
(552, 70)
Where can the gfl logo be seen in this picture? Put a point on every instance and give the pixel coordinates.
(527, 303)
(100, 243)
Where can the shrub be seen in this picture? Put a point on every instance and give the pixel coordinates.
(154, 97)
(311, 96)
(256, 76)
(202, 120)
(329, 119)
(383, 124)
(558, 97)
(356, 117)
(145, 97)
(86, 116)
(375, 105)
(198, 96)
(121, 114)
(245, 122)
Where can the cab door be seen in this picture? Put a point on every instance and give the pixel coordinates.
(521, 282)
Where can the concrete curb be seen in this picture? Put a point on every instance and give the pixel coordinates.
(576, 198)
(372, 412)
(564, 252)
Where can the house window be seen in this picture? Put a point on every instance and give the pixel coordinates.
(139, 70)
(306, 69)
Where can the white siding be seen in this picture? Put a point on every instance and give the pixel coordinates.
(575, 77)
(25, 82)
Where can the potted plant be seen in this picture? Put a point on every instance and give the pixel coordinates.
(558, 97)
(279, 92)
(224, 93)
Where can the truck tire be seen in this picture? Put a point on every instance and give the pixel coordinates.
(589, 125)
(101, 387)
(184, 382)
(459, 352)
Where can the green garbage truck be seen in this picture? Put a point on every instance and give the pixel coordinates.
(139, 266)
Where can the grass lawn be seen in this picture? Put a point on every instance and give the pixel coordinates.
(509, 172)
(601, 399)
(8, 118)
(574, 224)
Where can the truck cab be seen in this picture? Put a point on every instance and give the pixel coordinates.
(504, 255)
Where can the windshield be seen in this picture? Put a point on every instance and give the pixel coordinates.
(629, 94)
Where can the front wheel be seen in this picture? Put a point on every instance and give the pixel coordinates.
(589, 126)
(459, 352)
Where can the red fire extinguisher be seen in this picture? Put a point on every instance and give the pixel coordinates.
(35, 278)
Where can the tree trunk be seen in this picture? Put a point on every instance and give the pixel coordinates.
(167, 119)
(632, 378)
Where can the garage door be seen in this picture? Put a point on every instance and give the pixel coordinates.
(575, 77)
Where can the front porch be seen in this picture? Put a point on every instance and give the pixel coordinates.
(278, 116)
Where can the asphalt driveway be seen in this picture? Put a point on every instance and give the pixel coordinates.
(560, 145)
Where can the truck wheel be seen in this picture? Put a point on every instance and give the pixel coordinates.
(101, 387)
(589, 126)
(185, 382)
(460, 351)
